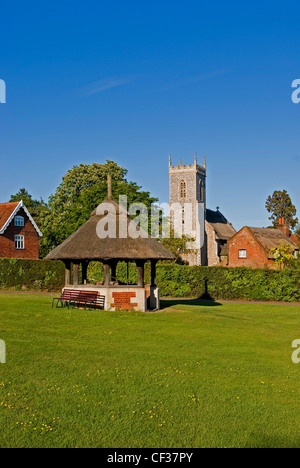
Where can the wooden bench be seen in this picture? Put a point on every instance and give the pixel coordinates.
(79, 298)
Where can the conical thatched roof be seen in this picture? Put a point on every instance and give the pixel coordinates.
(85, 244)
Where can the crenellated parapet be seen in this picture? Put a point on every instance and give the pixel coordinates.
(188, 167)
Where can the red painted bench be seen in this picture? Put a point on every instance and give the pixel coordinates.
(78, 298)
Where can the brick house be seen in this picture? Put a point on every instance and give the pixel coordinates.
(19, 235)
(250, 247)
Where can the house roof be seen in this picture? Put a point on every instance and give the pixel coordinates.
(219, 223)
(85, 244)
(295, 239)
(271, 238)
(7, 213)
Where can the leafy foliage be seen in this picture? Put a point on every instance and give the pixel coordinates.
(283, 256)
(35, 275)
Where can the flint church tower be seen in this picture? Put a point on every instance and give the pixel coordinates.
(188, 189)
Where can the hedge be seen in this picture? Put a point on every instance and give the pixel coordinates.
(38, 275)
(173, 280)
(229, 283)
(215, 282)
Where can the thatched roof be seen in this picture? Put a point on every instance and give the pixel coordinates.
(85, 244)
(271, 238)
(219, 223)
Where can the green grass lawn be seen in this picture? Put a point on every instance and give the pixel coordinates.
(192, 375)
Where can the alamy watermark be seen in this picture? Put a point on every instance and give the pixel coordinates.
(2, 92)
(296, 353)
(2, 352)
(296, 93)
(161, 221)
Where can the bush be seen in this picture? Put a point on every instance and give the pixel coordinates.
(38, 275)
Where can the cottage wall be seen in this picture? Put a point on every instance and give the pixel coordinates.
(257, 257)
(7, 240)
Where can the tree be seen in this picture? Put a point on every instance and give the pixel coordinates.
(283, 256)
(82, 189)
(34, 207)
(177, 245)
(280, 206)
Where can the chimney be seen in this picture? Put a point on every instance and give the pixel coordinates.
(284, 228)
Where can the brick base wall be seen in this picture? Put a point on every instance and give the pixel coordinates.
(122, 300)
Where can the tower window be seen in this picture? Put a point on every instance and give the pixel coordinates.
(182, 189)
(201, 191)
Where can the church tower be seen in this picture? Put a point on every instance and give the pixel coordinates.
(188, 193)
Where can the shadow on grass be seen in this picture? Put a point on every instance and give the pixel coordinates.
(165, 303)
(204, 300)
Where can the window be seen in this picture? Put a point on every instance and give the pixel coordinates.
(19, 243)
(243, 253)
(182, 189)
(201, 191)
(19, 221)
(296, 254)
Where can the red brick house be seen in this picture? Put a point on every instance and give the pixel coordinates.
(250, 247)
(19, 235)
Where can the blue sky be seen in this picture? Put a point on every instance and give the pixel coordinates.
(134, 81)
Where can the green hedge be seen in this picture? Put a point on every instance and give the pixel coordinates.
(38, 275)
(229, 283)
(173, 280)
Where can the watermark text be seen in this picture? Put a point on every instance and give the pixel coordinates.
(296, 353)
(296, 93)
(2, 92)
(2, 352)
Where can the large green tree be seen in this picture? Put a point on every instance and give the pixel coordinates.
(82, 189)
(34, 207)
(280, 206)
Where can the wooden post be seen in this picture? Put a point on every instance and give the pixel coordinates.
(68, 272)
(106, 275)
(76, 273)
(153, 273)
(84, 264)
(114, 271)
(140, 269)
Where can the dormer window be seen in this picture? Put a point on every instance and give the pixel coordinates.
(19, 221)
(182, 189)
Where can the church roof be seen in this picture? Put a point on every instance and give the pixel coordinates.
(85, 244)
(224, 230)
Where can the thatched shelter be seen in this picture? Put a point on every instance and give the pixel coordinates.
(86, 245)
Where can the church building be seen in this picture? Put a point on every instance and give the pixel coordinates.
(209, 230)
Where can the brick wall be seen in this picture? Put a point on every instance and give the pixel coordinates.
(257, 257)
(122, 300)
(7, 240)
